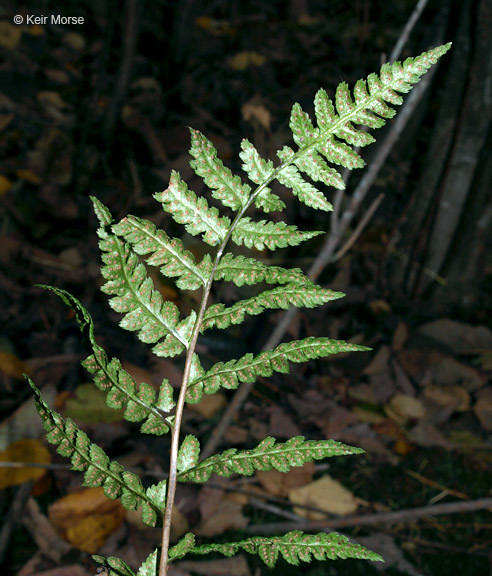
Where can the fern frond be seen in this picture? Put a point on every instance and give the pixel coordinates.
(266, 234)
(294, 547)
(242, 270)
(167, 252)
(224, 186)
(246, 369)
(283, 297)
(87, 457)
(143, 307)
(195, 213)
(268, 455)
(139, 402)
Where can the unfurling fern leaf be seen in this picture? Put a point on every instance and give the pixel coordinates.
(128, 247)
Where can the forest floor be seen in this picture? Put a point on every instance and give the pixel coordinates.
(419, 404)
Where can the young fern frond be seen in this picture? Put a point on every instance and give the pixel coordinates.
(319, 149)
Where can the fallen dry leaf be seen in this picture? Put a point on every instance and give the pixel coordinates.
(226, 516)
(403, 408)
(380, 361)
(455, 397)
(400, 336)
(280, 484)
(237, 566)
(243, 60)
(282, 425)
(483, 407)
(458, 336)
(326, 494)
(209, 405)
(28, 450)
(86, 518)
(256, 112)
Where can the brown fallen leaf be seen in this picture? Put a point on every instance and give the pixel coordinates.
(326, 494)
(226, 516)
(237, 566)
(458, 336)
(483, 407)
(85, 518)
(380, 361)
(400, 336)
(28, 450)
(280, 484)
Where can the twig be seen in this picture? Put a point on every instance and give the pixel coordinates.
(402, 40)
(407, 515)
(129, 41)
(360, 228)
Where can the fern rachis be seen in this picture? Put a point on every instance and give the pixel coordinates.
(159, 323)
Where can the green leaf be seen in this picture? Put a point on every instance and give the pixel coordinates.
(242, 270)
(176, 262)
(258, 169)
(266, 234)
(149, 567)
(248, 368)
(294, 547)
(284, 297)
(268, 455)
(225, 187)
(115, 566)
(182, 548)
(158, 494)
(188, 454)
(92, 460)
(121, 390)
(195, 213)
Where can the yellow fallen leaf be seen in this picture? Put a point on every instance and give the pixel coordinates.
(402, 408)
(243, 60)
(326, 494)
(209, 405)
(86, 518)
(28, 176)
(5, 184)
(252, 111)
(10, 35)
(28, 450)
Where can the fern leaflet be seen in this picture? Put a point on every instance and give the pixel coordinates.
(294, 547)
(268, 455)
(73, 443)
(230, 374)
